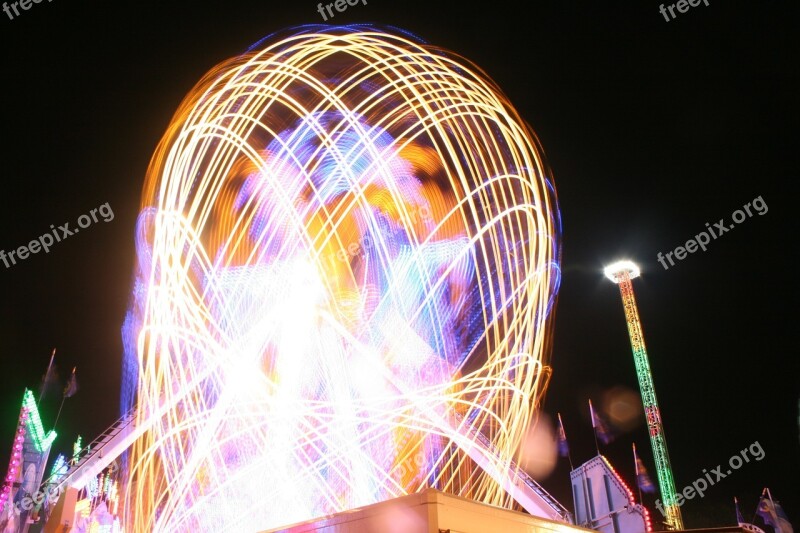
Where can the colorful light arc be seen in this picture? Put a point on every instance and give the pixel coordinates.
(347, 254)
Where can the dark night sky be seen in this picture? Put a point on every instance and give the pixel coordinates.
(652, 129)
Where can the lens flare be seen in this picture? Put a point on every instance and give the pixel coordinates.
(347, 258)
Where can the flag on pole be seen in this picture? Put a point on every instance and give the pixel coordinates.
(739, 517)
(642, 477)
(599, 426)
(563, 447)
(69, 392)
(773, 514)
(767, 512)
(72, 385)
(783, 520)
(50, 376)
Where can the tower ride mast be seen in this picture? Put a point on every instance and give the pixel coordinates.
(622, 273)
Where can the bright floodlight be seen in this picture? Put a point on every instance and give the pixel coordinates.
(613, 271)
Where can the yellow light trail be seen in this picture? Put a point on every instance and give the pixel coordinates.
(348, 241)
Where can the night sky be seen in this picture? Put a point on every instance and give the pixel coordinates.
(652, 129)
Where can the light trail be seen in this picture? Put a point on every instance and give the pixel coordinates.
(348, 240)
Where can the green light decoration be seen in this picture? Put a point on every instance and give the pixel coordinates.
(76, 449)
(41, 440)
(60, 468)
(622, 273)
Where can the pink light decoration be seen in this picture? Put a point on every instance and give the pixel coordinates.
(631, 499)
(13, 464)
